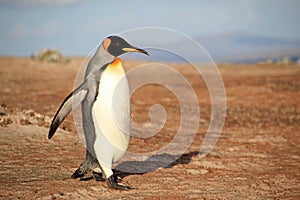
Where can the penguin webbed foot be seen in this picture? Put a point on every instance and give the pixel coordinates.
(112, 182)
(98, 176)
(78, 174)
(95, 176)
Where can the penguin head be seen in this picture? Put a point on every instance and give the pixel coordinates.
(117, 46)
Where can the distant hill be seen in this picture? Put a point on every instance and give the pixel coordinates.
(232, 47)
(243, 47)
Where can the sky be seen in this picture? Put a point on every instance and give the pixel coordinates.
(75, 27)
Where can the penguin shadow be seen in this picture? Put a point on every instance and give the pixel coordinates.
(129, 168)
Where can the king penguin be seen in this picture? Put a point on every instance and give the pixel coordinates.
(104, 97)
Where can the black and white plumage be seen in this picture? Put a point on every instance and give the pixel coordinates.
(105, 100)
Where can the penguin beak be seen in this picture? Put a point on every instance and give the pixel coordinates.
(134, 49)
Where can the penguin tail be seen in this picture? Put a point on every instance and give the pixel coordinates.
(71, 102)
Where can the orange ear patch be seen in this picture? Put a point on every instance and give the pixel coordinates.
(106, 43)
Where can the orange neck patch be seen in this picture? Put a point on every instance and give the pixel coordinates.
(116, 62)
(115, 66)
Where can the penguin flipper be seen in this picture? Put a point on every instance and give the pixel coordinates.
(72, 101)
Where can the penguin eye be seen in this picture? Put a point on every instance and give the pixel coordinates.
(117, 44)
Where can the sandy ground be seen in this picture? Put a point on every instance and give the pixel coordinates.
(256, 157)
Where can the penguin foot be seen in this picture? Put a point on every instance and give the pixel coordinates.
(79, 173)
(86, 166)
(112, 183)
(98, 176)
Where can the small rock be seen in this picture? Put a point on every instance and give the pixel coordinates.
(29, 113)
(4, 121)
(2, 113)
(24, 120)
(40, 119)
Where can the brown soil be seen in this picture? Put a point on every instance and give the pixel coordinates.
(256, 157)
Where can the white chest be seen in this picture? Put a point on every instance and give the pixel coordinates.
(111, 113)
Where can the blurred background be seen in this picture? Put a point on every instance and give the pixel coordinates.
(231, 30)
